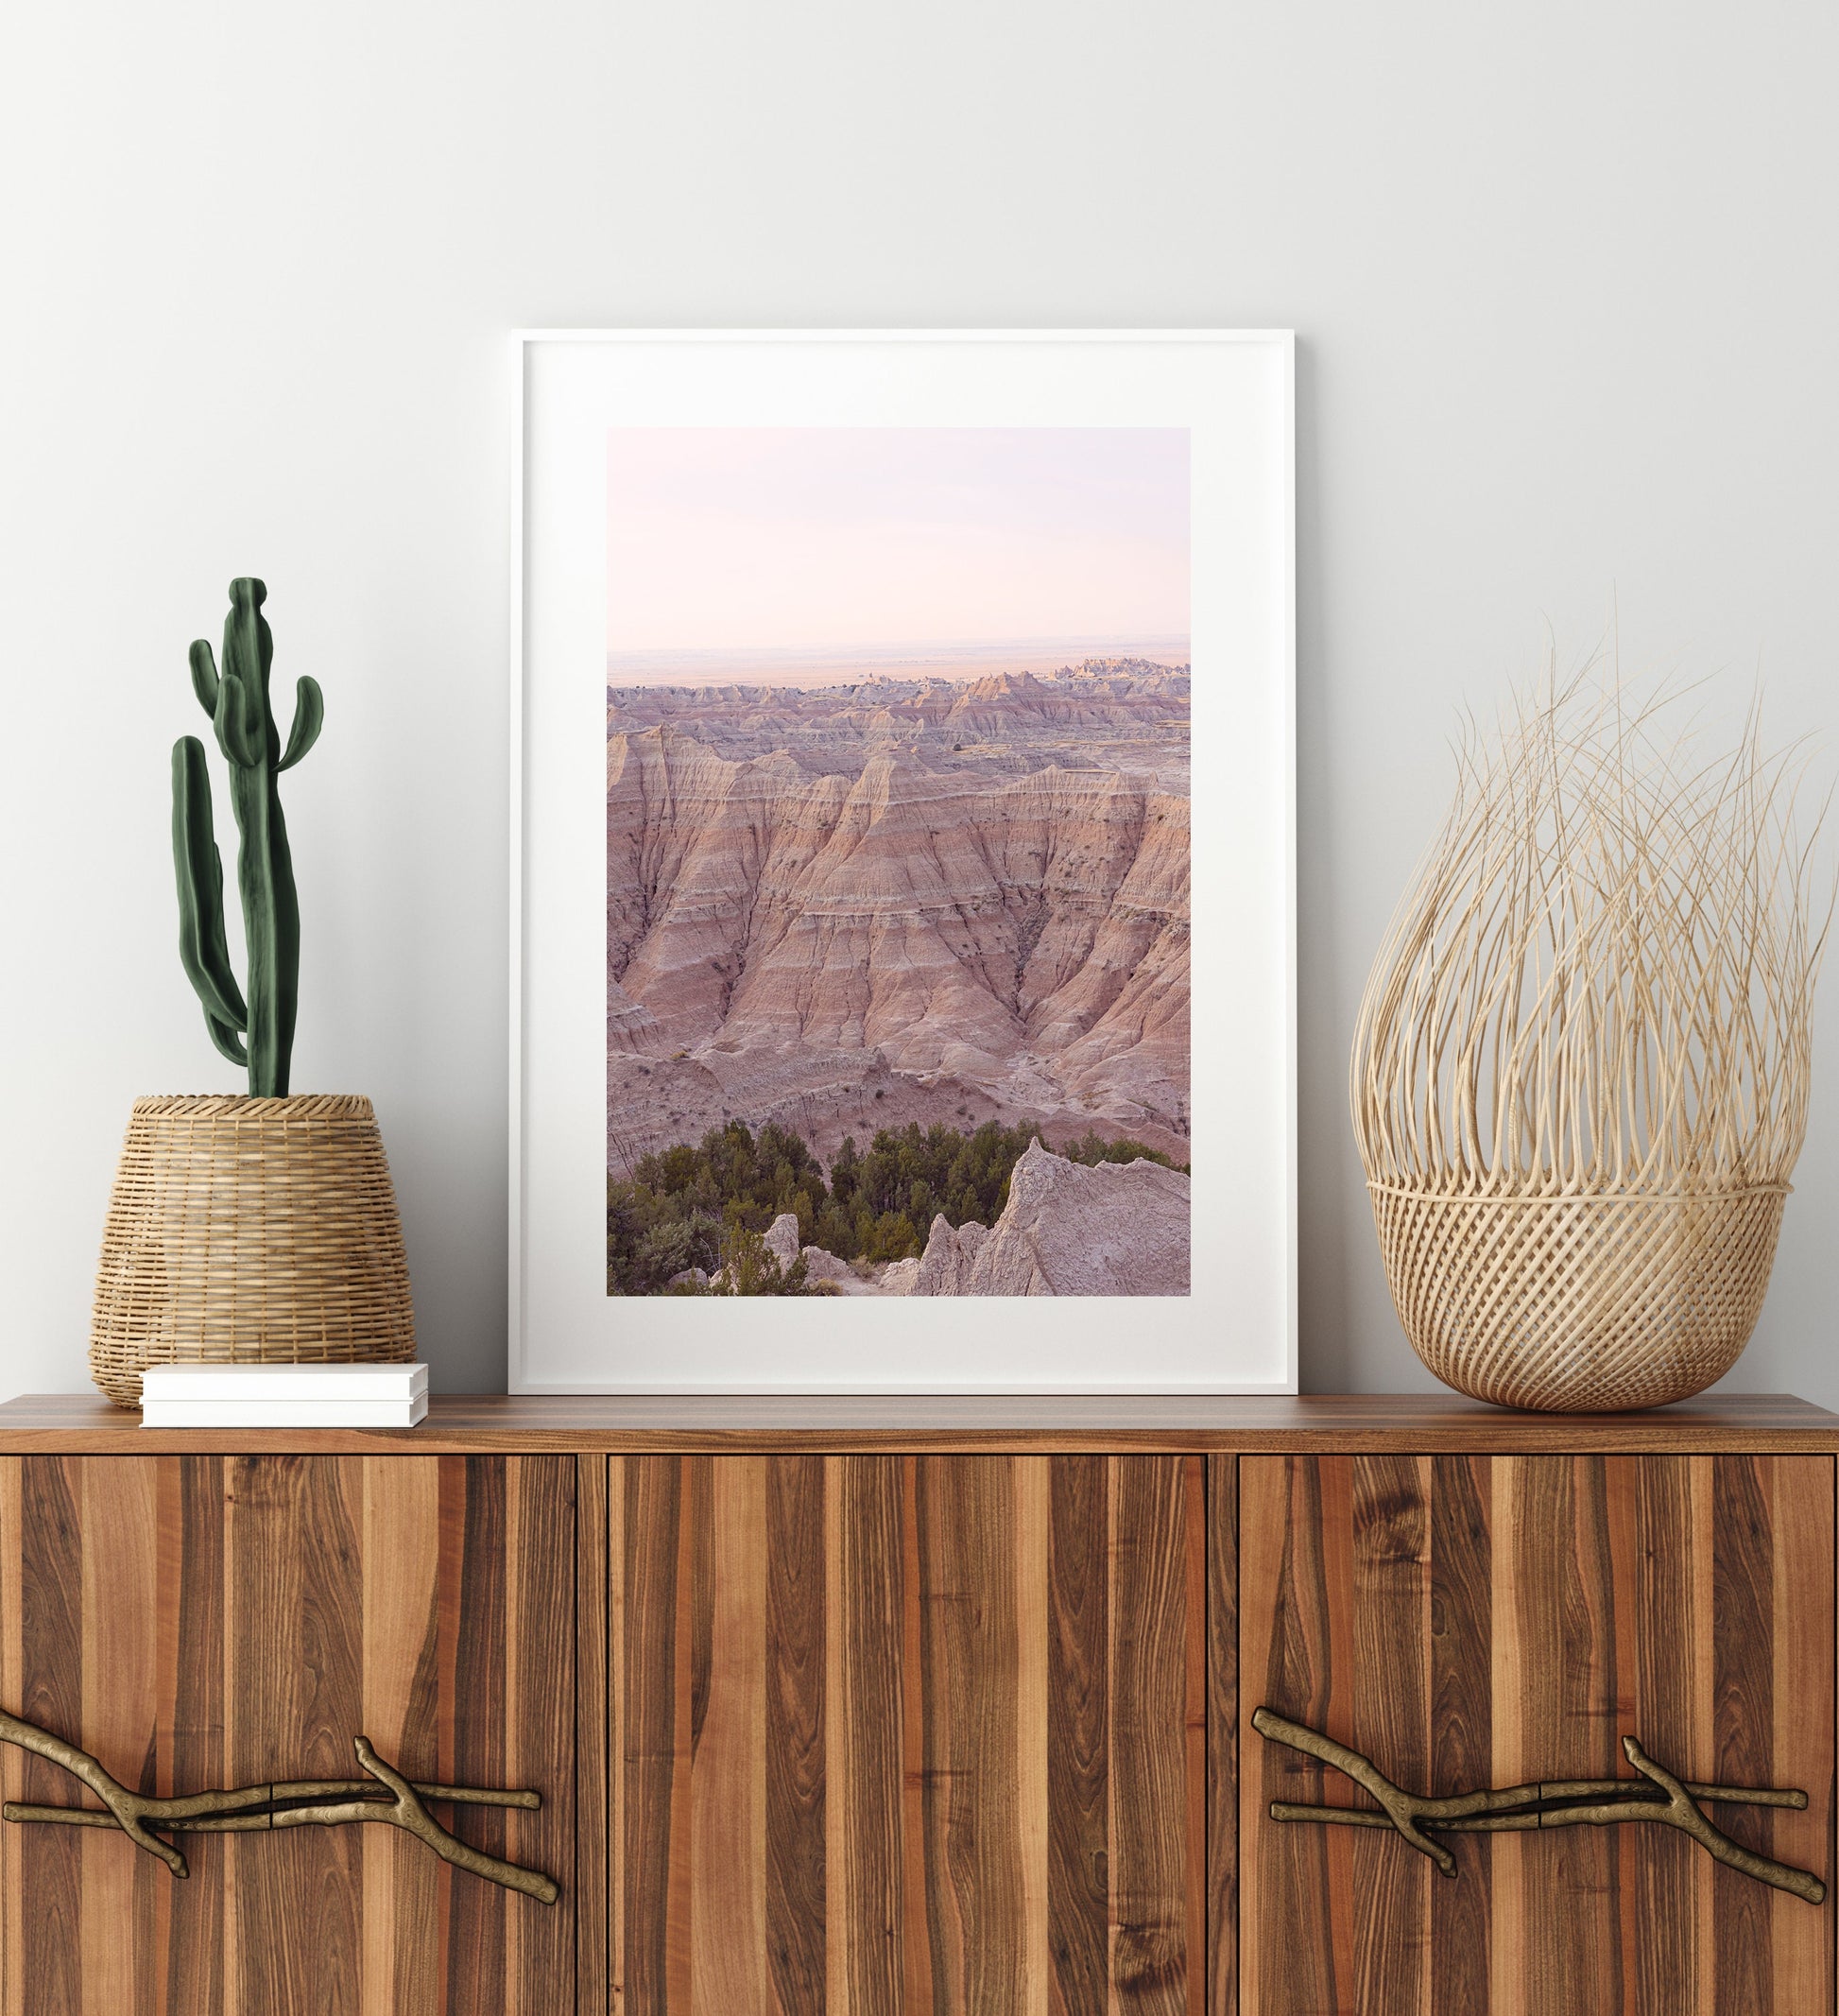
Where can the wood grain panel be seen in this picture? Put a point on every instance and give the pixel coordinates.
(933, 1423)
(593, 1707)
(538, 1710)
(1033, 1572)
(203, 1621)
(293, 1679)
(1198, 1542)
(866, 1574)
(727, 1786)
(400, 1551)
(967, 1689)
(1467, 1621)
(1461, 1724)
(191, 1706)
(1561, 1663)
(792, 1833)
(1656, 1604)
(471, 1564)
(47, 1868)
(1078, 1712)
(120, 1634)
(1292, 1942)
(937, 1745)
(1220, 1903)
(1151, 1807)
(645, 1738)
(1803, 1941)
(1743, 1708)
(1388, 1683)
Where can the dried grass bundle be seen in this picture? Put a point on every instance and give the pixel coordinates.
(1580, 1073)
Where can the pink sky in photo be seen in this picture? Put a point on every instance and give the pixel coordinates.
(759, 538)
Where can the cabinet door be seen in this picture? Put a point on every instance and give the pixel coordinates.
(1466, 1623)
(202, 1622)
(896, 1735)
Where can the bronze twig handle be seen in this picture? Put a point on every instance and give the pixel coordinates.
(407, 1812)
(299, 1802)
(128, 1809)
(1550, 1803)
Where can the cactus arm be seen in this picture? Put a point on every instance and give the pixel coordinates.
(239, 742)
(225, 1039)
(309, 718)
(204, 676)
(199, 869)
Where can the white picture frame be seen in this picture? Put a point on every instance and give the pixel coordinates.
(1236, 1330)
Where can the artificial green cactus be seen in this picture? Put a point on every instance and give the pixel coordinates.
(258, 1032)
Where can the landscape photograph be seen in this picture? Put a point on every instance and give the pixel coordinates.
(898, 861)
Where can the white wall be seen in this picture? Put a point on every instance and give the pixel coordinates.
(1565, 286)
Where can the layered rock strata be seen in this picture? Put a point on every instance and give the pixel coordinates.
(1107, 712)
(981, 913)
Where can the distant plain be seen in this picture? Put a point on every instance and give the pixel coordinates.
(847, 665)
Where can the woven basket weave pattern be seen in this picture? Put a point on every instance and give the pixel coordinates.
(250, 1232)
(1580, 1070)
(1579, 1303)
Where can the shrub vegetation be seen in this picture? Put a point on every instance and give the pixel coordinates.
(704, 1206)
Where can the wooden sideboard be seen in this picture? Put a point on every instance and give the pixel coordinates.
(882, 1707)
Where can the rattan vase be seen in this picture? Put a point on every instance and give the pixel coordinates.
(1580, 1070)
(258, 1232)
(1583, 1304)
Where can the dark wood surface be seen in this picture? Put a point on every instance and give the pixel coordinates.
(1470, 1621)
(201, 1621)
(849, 1726)
(592, 1901)
(1221, 1893)
(72, 1423)
(900, 1735)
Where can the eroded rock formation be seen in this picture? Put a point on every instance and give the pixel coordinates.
(848, 907)
(1115, 1229)
(782, 1240)
(821, 1266)
(898, 1277)
(946, 1266)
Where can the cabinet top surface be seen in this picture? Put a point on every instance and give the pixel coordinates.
(79, 1424)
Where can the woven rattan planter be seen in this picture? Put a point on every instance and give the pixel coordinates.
(252, 1232)
(1579, 1304)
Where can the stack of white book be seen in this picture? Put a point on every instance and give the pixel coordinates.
(283, 1396)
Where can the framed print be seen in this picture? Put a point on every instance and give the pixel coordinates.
(904, 901)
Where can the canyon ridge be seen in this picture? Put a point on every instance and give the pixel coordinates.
(846, 907)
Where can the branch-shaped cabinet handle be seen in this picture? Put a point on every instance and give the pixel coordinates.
(299, 1802)
(1552, 1802)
